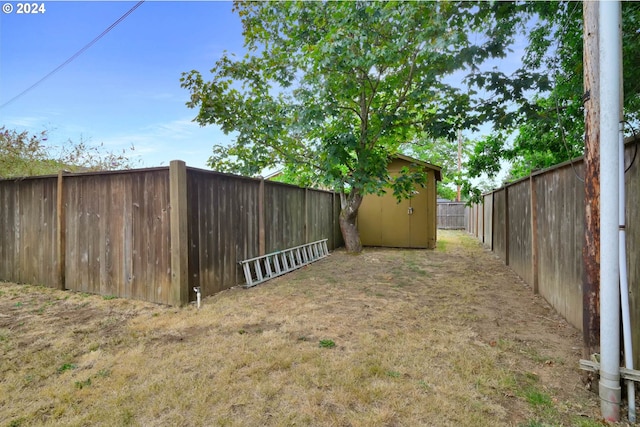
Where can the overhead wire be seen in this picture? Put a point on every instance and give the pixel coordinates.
(75, 55)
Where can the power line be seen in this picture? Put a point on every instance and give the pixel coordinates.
(74, 56)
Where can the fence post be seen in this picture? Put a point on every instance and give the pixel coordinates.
(306, 215)
(61, 232)
(534, 233)
(482, 216)
(337, 231)
(179, 294)
(261, 232)
(506, 225)
(332, 240)
(493, 217)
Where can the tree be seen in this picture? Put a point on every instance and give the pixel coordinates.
(441, 152)
(332, 89)
(22, 154)
(549, 126)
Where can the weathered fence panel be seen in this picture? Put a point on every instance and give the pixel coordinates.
(488, 221)
(536, 226)
(337, 231)
(500, 235)
(632, 194)
(480, 222)
(28, 231)
(320, 222)
(118, 234)
(285, 216)
(153, 234)
(451, 215)
(223, 214)
(469, 217)
(519, 229)
(560, 198)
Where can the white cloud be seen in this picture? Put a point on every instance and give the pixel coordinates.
(26, 122)
(158, 143)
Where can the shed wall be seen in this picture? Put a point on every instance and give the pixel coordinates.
(383, 221)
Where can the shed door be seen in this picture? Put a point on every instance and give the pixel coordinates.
(404, 224)
(383, 221)
(418, 221)
(394, 222)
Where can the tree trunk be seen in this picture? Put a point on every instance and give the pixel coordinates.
(350, 203)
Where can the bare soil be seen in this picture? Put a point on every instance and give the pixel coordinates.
(390, 337)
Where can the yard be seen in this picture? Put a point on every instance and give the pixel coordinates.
(444, 337)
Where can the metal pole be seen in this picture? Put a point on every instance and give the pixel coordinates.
(610, 64)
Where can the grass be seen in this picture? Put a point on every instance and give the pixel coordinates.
(327, 343)
(66, 367)
(391, 337)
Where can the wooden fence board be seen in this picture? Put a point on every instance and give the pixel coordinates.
(451, 215)
(284, 216)
(113, 221)
(499, 220)
(28, 231)
(520, 229)
(119, 233)
(560, 221)
(488, 220)
(632, 219)
(223, 228)
(319, 221)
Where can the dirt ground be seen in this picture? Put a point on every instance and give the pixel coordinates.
(390, 337)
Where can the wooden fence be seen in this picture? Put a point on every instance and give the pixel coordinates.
(536, 226)
(152, 234)
(451, 215)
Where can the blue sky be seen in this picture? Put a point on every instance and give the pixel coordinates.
(123, 90)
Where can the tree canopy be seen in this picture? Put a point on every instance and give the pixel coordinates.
(332, 89)
(442, 152)
(549, 127)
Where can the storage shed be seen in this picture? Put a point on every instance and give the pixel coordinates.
(412, 223)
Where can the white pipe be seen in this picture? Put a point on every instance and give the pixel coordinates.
(624, 285)
(610, 64)
(198, 296)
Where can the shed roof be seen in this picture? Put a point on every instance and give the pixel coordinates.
(436, 169)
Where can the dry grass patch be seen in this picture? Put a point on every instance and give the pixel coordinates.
(388, 338)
